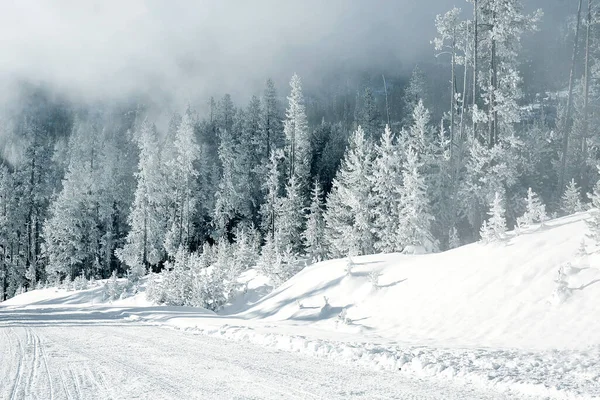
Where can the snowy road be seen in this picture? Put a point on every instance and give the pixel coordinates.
(78, 354)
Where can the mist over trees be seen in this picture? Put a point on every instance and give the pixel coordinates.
(468, 145)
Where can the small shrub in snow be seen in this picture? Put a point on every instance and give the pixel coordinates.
(80, 283)
(562, 291)
(154, 289)
(112, 289)
(349, 266)
(374, 278)
(67, 283)
(343, 317)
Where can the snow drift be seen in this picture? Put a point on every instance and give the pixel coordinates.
(480, 295)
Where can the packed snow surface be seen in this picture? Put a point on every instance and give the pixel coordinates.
(480, 321)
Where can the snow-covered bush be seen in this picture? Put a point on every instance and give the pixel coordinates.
(67, 283)
(349, 266)
(343, 317)
(208, 279)
(562, 291)
(80, 283)
(112, 288)
(374, 278)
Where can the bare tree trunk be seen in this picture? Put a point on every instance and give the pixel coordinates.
(453, 89)
(387, 106)
(567, 121)
(586, 95)
(475, 50)
(492, 99)
(464, 91)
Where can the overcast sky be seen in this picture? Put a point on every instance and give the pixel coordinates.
(192, 48)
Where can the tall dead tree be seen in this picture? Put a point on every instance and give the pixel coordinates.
(567, 123)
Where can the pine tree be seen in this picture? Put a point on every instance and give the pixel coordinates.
(571, 199)
(228, 199)
(295, 128)
(368, 115)
(271, 188)
(271, 122)
(416, 91)
(593, 223)
(414, 227)
(387, 181)
(454, 239)
(314, 235)
(72, 232)
(494, 228)
(348, 220)
(183, 175)
(535, 211)
(290, 219)
(144, 243)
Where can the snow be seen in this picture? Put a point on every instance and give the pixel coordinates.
(66, 355)
(482, 316)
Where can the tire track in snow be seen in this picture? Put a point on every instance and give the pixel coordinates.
(45, 361)
(19, 374)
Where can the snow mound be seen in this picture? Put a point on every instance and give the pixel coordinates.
(497, 295)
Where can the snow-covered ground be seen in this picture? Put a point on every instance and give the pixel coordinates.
(483, 317)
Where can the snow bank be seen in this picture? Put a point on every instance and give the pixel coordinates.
(495, 295)
(544, 374)
(92, 296)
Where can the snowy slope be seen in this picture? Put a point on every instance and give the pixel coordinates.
(494, 295)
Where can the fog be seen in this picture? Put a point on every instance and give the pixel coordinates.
(181, 51)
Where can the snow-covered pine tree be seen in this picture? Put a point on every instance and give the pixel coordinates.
(314, 235)
(348, 220)
(571, 199)
(271, 123)
(414, 227)
(290, 219)
(72, 232)
(227, 198)
(368, 115)
(295, 128)
(535, 211)
(498, 48)
(387, 181)
(144, 242)
(183, 174)
(246, 248)
(494, 228)
(593, 223)
(271, 189)
(454, 239)
(416, 91)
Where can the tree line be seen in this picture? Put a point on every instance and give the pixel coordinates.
(273, 186)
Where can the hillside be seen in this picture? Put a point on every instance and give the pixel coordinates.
(479, 295)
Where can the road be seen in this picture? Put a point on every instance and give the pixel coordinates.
(82, 354)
